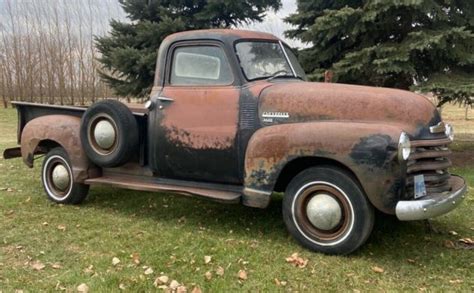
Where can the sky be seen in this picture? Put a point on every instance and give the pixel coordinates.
(103, 10)
(274, 24)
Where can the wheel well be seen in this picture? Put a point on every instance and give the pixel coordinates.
(46, 145)
(296, 166)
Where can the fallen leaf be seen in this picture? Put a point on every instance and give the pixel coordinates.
(115, 261)
(62, 227)
(56, 266)
(196, 290)
(174, 285)
(467, 241)
(242, 275)
(283, 283)
(160, 281)
(37, 265)
(122, 286)
(453, 233)
(28, 199)
(45, 224)
(208, 275)
(82, 288)
(457, 281)
(135, 258)
(207, 259)
(89, 270)
(277, 282)
(297, 261)
(410, 260)
(10, 189)
(148, 271)
(378, 269)
(220, 271)
(448, 244)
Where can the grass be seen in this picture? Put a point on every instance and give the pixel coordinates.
(455, 114)
(172, 235)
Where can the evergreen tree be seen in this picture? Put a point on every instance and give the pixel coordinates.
(128, 53)
(410, 44)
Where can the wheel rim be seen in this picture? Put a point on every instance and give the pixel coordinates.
(57, 177)
(309, 214)
(102, 134)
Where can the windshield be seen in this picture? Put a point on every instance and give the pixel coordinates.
(267, 59)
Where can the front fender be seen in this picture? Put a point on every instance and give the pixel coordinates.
(63, 130)
(369, 150)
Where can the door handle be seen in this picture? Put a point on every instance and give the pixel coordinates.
(165, 99)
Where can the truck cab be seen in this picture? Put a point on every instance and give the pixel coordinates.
(232, 117)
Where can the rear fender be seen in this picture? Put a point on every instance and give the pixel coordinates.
(61, 129)
(368, 150)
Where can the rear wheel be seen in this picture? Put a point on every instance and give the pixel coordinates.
(58, 180)
(325, 209)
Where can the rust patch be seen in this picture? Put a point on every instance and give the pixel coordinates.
(202, 118)
(62, 129)
(271, 148)
(308, 101)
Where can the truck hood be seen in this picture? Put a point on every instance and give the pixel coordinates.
(293, 102)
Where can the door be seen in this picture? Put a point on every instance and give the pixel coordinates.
(197, 118)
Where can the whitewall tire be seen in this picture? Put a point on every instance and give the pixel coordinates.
(326, 210)
(58, 179)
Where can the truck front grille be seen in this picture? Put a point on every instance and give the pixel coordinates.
(430, 158)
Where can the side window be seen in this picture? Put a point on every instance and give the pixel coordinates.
(200, 65)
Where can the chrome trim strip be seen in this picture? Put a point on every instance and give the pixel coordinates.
(438, 128)
(434, 205)
(287, 58)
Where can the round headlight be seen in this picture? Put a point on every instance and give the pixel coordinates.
(404, 147)
(449, 131)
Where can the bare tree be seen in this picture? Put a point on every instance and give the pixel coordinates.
(47, 50)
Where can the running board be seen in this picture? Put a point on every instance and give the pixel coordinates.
(232, 195)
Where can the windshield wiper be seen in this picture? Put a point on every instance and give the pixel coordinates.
(279, 73)
(283, 73)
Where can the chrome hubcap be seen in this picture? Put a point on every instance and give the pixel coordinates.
(60, 177)
(104, 134)
(324, 212)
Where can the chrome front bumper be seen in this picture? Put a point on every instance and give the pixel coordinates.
(431, 206)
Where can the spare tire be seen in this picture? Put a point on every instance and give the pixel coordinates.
(109, 133)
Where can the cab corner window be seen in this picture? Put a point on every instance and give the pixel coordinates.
(200, 65)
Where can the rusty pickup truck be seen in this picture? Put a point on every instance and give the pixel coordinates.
(232, 118)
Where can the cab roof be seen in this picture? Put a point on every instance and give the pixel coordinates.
(220, 34)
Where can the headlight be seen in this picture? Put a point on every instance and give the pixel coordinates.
(404, 147)
(449, 131)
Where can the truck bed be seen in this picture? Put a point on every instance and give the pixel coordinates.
(28, 111)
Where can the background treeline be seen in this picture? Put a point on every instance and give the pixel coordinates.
(47, 51)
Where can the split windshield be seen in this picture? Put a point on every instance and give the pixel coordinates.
(260, 60)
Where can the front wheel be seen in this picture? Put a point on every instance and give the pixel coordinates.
(326, 210)
(58, 180)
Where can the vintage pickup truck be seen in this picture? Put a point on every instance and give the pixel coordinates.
(232, 118)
